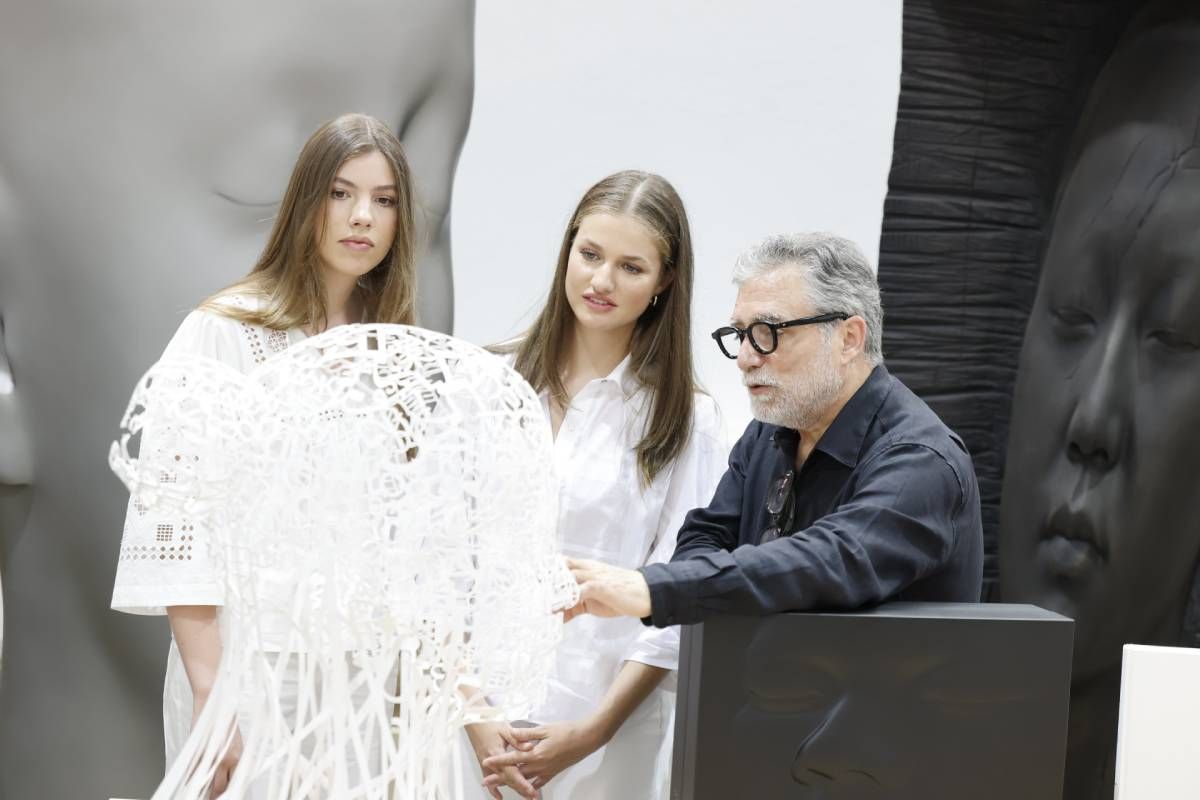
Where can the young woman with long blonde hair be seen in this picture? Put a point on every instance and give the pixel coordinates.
(637, 446)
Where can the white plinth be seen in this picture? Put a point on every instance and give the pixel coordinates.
(1158, 738)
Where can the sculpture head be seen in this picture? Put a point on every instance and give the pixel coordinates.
(895, 711)
(323, 204)
(1100, 517)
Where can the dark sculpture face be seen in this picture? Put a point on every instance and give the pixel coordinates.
(884, 715)
(1101, 502)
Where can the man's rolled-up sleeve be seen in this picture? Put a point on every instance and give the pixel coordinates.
(896, 527)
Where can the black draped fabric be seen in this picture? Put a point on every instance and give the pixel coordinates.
(990, 93)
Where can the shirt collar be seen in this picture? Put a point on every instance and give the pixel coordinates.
(623, 375)
(843, 439)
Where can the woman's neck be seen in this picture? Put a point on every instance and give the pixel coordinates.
(593, 354)
(342, 303)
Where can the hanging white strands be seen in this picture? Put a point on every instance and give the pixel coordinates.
(376, 504)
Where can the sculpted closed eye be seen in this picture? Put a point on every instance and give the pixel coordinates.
(1069, 315)
(794, 701)
(1174, 341)
(786, 690)
(237, 201)
(964, 698)
(1071, 322)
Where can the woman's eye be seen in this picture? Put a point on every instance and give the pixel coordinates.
(588, 255)
(386, 202)
(1174, 342)
(339, 194)
(633, 269)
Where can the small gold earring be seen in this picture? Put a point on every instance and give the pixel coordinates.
(654, 300)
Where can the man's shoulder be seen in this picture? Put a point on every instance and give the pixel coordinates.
(756, 435)
(908, 421)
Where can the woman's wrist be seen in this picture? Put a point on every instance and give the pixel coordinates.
(599, 728)
(485, 739)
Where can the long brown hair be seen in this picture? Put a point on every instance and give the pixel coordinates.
(287, 276)
(661, 350)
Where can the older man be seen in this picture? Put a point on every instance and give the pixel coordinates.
(846, 490)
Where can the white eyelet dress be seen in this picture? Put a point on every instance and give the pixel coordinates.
(165, 562)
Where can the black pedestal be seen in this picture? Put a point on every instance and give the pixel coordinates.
(908, 700)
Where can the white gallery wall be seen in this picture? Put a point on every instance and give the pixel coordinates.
(768, 116)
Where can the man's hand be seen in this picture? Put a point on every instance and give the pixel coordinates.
(608, 591)
(490, 739)
(554, 748)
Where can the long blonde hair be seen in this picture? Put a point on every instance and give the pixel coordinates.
(661, 350)
(287, 276)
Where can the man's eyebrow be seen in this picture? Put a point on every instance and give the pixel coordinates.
(387, 187)
(757, 318)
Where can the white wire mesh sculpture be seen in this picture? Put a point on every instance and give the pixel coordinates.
(379, 510)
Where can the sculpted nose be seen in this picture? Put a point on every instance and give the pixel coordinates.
(16, 457)
(1099, 425)
(843, 750)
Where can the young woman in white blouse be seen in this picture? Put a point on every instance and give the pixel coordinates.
(637, 446)
(341, 250)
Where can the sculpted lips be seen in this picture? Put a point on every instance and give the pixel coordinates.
(1071, 543)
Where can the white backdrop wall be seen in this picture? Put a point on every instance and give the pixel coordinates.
(768, 116)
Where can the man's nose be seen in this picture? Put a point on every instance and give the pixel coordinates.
(748, 358)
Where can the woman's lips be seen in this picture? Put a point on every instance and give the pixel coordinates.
(598, 304)
(357, 245)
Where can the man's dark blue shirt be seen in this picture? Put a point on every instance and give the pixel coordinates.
(886, 507)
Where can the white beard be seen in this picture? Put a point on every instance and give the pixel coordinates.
(801, 404)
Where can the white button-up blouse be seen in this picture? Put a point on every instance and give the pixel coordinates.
(606, 513)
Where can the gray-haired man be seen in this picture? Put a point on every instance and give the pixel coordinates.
(846, 490)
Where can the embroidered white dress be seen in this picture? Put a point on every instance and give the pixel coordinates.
(605, 513)
(165, 562)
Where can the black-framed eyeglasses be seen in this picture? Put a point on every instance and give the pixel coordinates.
(779, 507)
(764, 336)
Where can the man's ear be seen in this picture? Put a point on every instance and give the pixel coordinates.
(854, 338)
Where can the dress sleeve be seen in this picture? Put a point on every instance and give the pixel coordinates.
(693, 479)
(164, 558)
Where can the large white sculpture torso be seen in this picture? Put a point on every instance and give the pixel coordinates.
(381, 524)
